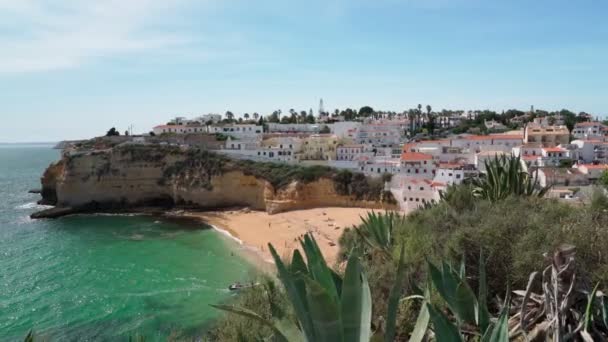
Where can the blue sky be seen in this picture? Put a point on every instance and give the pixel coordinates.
(72, 69)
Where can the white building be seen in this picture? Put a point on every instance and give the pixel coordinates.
(415, 193)
(349, 152)
(590, 130)
(492, 142)
(450, 174)
(179, 129)
(592, 171)
(237, 130)
(213, 118)
(381, 134)
(590, 151)
(418, 165)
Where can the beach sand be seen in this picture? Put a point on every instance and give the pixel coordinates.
(257, 228)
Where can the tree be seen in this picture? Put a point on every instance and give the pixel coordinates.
(366, 111)
(112, 132)
(310, 119)
(603, 180)
(303, 116)
(274, 117)
(229, 116)
(256, 116)
(246, 116)
(325, 130)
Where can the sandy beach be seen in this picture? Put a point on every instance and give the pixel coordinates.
(257, 228)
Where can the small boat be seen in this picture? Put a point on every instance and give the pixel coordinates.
(239, 286)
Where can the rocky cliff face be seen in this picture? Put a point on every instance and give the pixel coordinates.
(146, 176)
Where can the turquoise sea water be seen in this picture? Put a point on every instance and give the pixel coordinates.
(101, 278)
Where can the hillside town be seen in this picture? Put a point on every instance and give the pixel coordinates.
(419, 153)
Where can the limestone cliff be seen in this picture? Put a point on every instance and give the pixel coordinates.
(138, 176)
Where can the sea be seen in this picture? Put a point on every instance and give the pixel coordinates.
(104, 277)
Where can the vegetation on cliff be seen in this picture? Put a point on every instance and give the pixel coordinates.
(198, 167)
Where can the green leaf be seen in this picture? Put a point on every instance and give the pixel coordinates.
(500, 332)
(282, 331)
(297, 263)
(356, 302)
(422, 323)
(483, 314)
(456, 292)
(325, 313)
(29, 337)
(318, 269)
(589, 307)
(605, 311)
(296, 292)
(393, 301)
(445, 331)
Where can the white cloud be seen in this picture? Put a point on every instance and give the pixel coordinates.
(39, 35)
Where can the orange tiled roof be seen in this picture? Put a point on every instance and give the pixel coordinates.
(414, 156)
(496, 137)
(554, 149)
(594, 166)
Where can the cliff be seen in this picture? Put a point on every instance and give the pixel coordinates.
(132, 176)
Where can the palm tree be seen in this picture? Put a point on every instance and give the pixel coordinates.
(256, 116)
(246, 116)
(229, 116)
(419, 116)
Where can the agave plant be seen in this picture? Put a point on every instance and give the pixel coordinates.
(376, 230)
(327, 306)
(565, 310)
(505, 177)
(470, 311)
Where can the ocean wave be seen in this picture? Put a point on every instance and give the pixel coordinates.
(33, 205)
(228, 234)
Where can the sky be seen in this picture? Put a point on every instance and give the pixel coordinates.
(73, 69)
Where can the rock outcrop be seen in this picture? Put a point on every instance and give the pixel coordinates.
(155, 176)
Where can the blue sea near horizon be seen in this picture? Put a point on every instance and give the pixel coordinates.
(103, 277)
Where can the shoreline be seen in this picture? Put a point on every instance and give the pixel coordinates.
(254, 230)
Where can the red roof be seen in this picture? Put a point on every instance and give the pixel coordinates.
(449, 165)
(529, 157)
(594, 166)
(496, 137)
(554, 149)
(408, 147)
(415, 156)
(589, 124)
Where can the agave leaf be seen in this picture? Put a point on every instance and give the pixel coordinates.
(483, 314)
(445, 331)
(500, 332)
(393, 301)
(297, 263)
(296, 292)
(356, 302)
(283, 331)
(29, 337)
(605, 311)
(422, 322)
(456, 292)
(325, 312)
(318, 269)
(589, 307)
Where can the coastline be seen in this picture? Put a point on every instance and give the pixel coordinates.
(253, 230)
